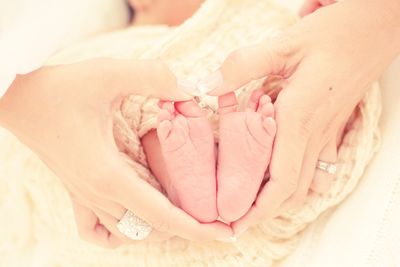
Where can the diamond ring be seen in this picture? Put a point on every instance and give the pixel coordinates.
(133, 227)
(328, 167)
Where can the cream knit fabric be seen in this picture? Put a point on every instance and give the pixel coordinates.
(192, 50)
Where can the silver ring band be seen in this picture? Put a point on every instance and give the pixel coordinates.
(328, 167)
(133, 227)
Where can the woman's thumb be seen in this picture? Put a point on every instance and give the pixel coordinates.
(244, 65)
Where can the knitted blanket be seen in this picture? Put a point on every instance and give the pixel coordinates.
(40, 215)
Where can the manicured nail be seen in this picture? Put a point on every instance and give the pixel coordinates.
(210, 83)
(231, 239)
(188, 87)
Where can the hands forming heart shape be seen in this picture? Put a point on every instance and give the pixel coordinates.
(64, 111)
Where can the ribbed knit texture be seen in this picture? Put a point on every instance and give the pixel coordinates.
(191, 50)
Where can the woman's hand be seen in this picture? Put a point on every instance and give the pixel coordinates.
(327, 61)
(64, 114)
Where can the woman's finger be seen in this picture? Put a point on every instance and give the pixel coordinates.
(251, 63)
(127, 77)
(146, 202)
(323, 180)
(109, 213)
(310, 159)
(110, 222)
(90, 228)
(93, 200)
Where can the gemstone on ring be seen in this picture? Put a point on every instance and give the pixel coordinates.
(133, 227)
(330, 168)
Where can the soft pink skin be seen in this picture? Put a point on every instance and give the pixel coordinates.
(187, 166)
(188, 147)
(244, 152)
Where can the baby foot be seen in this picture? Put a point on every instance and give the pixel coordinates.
(187, 144)
(244, 152)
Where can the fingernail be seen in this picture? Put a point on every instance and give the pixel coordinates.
(231, 239)
(188, 87)
(211, 82)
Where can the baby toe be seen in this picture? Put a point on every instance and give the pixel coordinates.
(164, 130)
(164, 115)
(180, 127)
(188, 109)
(266, 110)
(270, 126)
(264, 99)
(167, 105)
(254, 100)
(173, 134)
